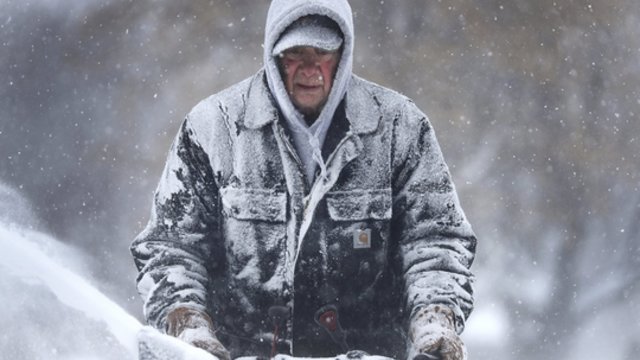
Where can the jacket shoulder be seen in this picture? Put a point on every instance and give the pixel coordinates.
(393, 104)
(225, 101)
(216, 115)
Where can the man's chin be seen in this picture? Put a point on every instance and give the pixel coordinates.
(309, 112)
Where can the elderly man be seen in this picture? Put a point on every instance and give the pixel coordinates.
(307, 211)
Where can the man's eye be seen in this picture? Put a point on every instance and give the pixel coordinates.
(293, 54)
(325, 54)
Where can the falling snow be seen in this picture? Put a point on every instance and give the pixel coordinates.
(535, 104)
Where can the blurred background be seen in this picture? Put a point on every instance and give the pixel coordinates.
(536, 105)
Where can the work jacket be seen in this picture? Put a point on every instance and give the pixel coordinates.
(236, 230)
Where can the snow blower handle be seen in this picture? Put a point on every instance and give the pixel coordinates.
(427, 357)
(352, 355)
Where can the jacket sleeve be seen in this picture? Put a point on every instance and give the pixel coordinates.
(174, 252)
(436, 244)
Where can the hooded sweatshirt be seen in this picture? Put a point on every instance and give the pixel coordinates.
(308, 140)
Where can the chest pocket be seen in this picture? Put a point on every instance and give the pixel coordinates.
(359, 205)
(254, 229)
(254, 204)
(358, 240)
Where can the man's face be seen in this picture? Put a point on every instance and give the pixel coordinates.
(308, 76)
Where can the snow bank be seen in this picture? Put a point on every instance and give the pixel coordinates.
(54, 313)
(50, 312)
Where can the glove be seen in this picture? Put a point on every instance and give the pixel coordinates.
(196, 328)
(432, 334)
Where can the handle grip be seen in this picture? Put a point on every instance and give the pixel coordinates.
(427, 357)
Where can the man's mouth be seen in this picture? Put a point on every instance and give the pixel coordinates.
(309, 86)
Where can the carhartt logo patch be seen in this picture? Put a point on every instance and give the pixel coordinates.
(362, 239)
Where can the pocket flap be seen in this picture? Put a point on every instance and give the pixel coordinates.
(254, 204)
(358, 205)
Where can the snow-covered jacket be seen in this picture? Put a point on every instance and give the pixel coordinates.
(236, 231)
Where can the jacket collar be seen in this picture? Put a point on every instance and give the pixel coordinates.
(363, 109)
(259, 108)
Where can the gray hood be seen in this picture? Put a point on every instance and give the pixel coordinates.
(282, 13)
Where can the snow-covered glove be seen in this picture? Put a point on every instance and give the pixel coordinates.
(195, 328)
(432, 332)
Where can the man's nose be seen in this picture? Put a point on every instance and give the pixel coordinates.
(310, 66)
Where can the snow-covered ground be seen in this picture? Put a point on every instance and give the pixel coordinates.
(49, 311)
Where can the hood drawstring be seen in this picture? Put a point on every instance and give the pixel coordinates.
(317, 156)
